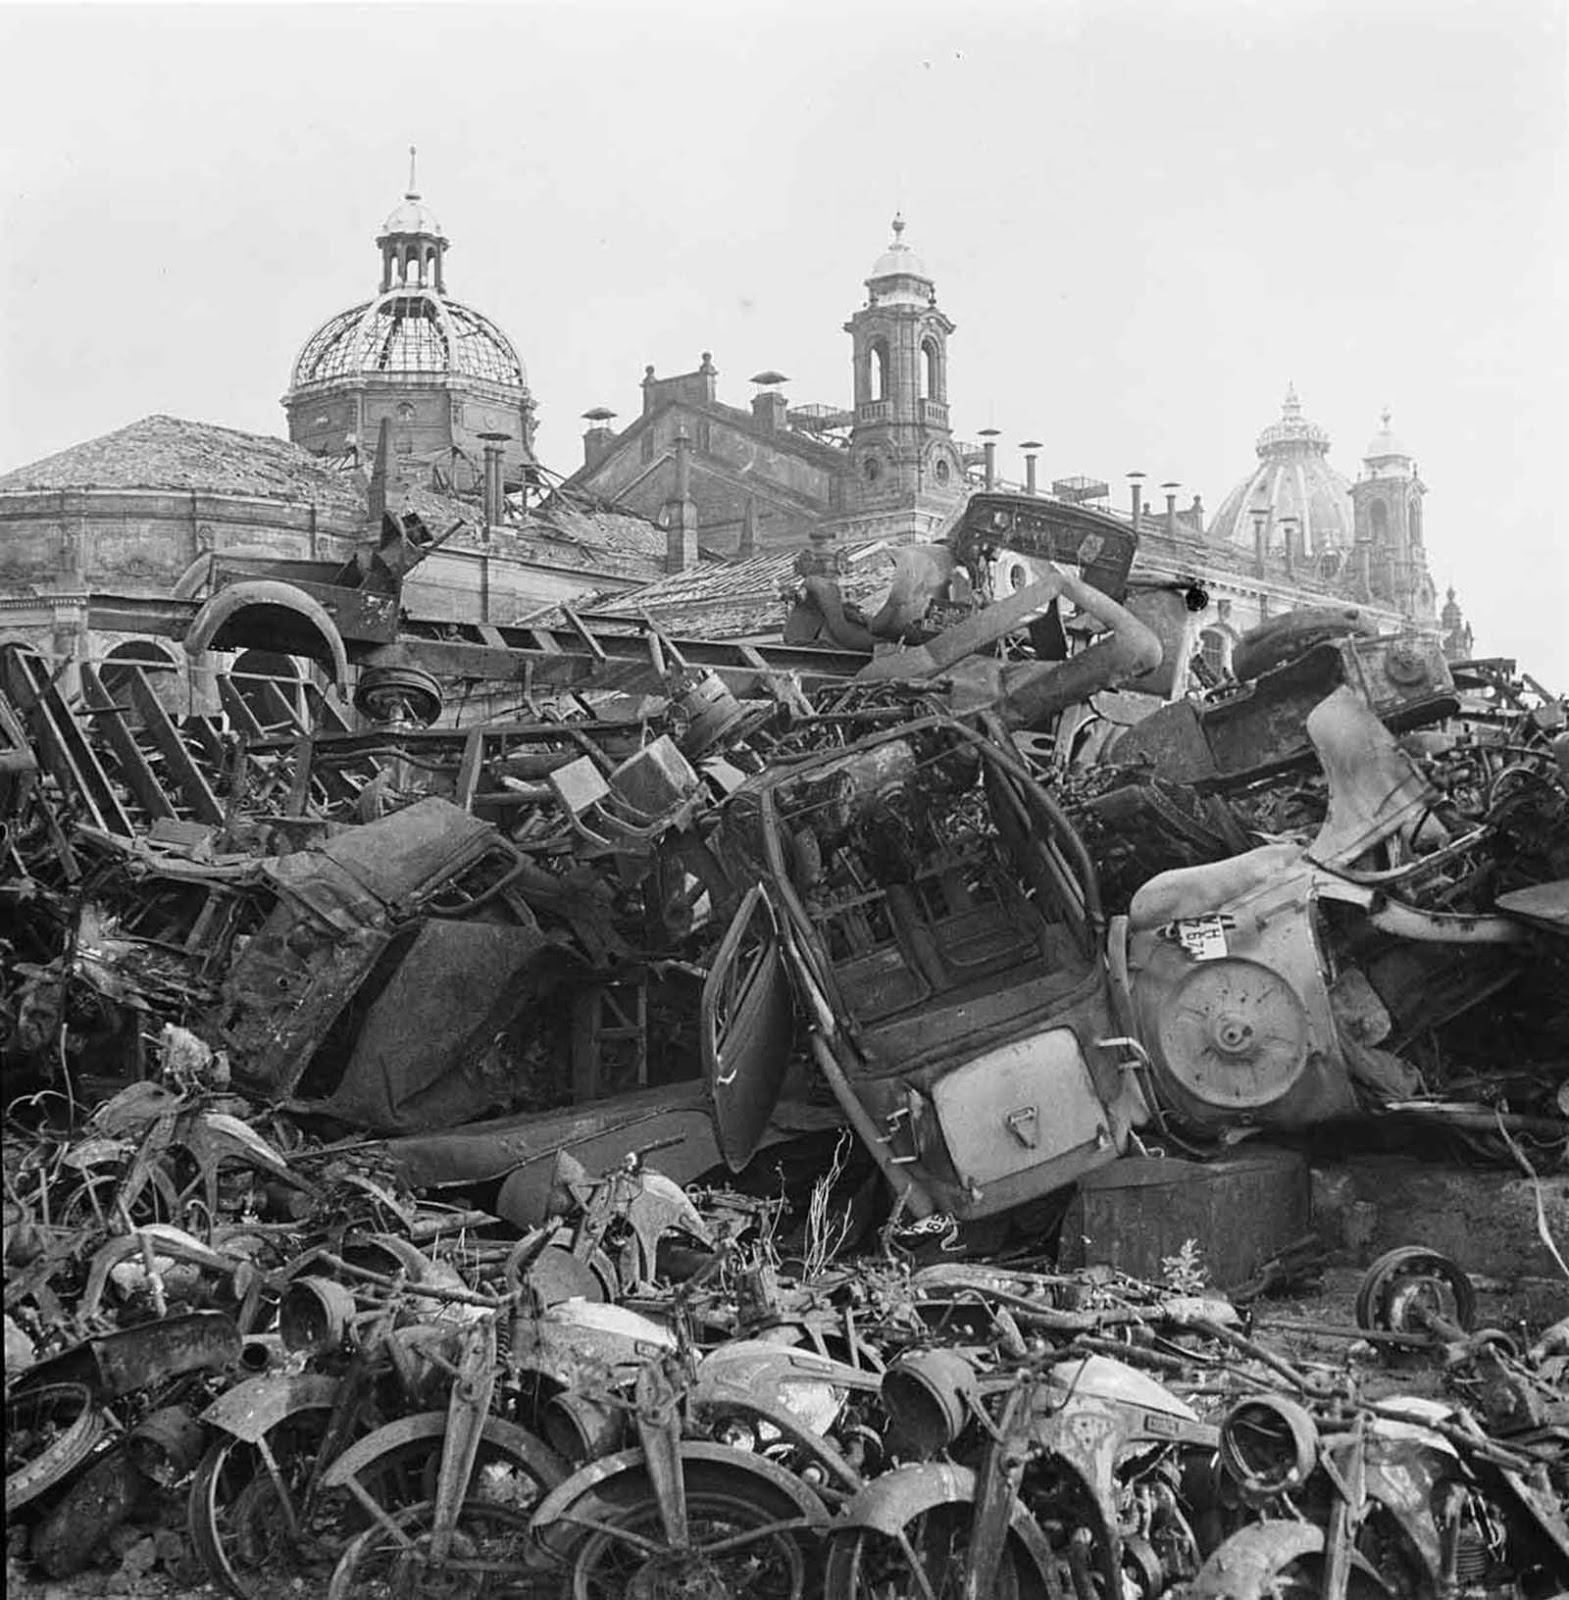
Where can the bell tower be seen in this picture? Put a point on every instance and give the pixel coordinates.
(904, 476)
(1386, 503)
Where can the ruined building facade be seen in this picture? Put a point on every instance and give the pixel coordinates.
(774, 476)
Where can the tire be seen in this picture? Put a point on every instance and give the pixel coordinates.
(1281, 639)
(865, 1565)
(721, 1505)
(49, 1432)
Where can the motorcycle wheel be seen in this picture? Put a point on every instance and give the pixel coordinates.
(238, 1517)
(49, 1432)
(926, 1559)
(235, 1512)
(738, 1545)
(487, 1558)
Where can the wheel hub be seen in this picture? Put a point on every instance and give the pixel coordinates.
(678, 1575)
(420, 1575)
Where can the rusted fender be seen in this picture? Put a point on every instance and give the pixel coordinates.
(524, 1446)
(131, 1359)
(1246, 1566)
(268, 594)
(624, 1463)
(251, 1409)
(888, 1504)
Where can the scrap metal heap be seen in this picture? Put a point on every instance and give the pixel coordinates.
(729, 1024)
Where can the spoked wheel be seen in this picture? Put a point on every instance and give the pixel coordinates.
(925, 1562)
(743, 1542)
(247, 1513)
(486, 1557)
(253, 1514)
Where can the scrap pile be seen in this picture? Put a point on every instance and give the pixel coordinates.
(616, 978)
(645, 1396)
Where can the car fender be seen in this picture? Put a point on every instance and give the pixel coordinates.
(540, 1459)
(268, 595)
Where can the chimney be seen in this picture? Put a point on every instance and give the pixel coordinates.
(1260, 540)
(1171, 488)
(747, 547)
(1029, 447)
(990, 436)
(600, 436)
(1136, 481)
(768, 405)
(494, 502)
(680, 512)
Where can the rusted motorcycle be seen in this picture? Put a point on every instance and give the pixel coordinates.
(1073, 1487)
(1404, 1498)
(680, 1514)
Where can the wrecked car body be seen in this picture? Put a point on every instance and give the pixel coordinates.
(940, 921)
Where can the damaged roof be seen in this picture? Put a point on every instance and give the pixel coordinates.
(173, 453)
(737, 599)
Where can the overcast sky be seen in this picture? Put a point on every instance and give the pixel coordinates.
(1145, 216)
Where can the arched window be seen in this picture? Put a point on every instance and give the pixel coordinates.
(1415, 516)
(1215, 648)
(1378, 517)
(879, 369)
(931, 370)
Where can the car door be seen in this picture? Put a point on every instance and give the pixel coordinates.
(747, 1028)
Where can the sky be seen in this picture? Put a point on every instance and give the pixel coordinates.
(1146, 217)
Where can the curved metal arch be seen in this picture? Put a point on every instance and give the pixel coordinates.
(218, 616)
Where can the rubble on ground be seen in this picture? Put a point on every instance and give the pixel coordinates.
(650, 1146)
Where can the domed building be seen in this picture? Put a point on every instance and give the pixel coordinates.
(444, 373)
(1293, 493)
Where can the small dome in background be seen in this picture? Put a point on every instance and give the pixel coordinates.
(1293, 482)
(1385, 445)
(898, 260)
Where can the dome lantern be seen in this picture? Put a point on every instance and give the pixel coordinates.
(412, 244)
